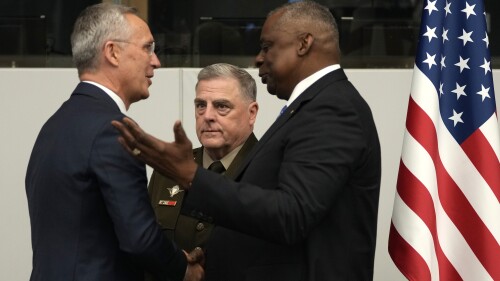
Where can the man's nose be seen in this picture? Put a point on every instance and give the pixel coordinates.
(155, 62)
(259, 59)
(209, 113)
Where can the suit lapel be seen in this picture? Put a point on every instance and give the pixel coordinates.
(198, 155)
(241, 156)
(292, 110)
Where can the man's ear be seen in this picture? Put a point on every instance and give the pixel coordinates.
(112, 52)
(305, 42)
(253, 108)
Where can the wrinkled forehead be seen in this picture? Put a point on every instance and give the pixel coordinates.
(218, 87)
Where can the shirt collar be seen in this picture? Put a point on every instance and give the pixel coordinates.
(306, 83)
(119, 102)
(226, 160)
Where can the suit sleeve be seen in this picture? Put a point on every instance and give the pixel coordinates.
(123, 183)
(153, 187)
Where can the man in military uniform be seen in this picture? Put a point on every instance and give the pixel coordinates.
(225, 111)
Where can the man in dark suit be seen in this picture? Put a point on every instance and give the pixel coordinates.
(304, 205)
(88, 203)
(225, 113)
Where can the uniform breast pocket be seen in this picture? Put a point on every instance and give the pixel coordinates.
(167, 210)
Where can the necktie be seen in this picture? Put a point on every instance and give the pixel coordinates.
(217, 167)
(281, 112)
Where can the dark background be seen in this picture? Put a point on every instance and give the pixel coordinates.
(198, 32)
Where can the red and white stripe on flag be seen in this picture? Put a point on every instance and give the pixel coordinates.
(446, 215)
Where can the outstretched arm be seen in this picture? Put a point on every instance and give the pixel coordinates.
(173, 160)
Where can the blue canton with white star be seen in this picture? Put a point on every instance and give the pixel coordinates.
(453, 53)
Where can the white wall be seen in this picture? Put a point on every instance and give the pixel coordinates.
(29, 96)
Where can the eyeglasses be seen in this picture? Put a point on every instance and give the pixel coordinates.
(149, 47)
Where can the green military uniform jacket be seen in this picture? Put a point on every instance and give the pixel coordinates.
(187, 230)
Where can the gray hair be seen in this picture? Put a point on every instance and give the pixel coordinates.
(96, 25)
(303, 12)
(248, 88)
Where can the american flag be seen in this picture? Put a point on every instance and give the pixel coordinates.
(446, 217)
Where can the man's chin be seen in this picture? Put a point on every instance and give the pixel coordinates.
(271, 89)
(211, 146)
(279, 95)
(145, 95)
(210, 141)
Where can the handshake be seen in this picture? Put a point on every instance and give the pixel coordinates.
(196, 262)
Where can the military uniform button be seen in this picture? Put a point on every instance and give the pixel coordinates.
(200, 226)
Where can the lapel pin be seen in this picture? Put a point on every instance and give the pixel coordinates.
(174, 190)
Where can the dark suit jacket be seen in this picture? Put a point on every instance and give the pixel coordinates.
(187, 230)
(90, 213)
(305, 206)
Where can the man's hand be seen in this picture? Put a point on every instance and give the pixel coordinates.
(196, 261)
(173, 160)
